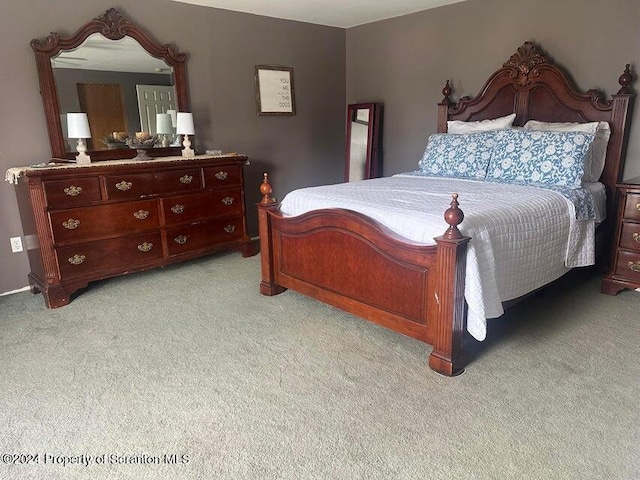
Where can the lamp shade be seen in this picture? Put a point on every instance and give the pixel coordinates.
(185, 124)
(163, 123)
(78, 125)
(173, 117)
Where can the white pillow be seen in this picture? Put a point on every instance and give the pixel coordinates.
(594, 160)
(458, 126)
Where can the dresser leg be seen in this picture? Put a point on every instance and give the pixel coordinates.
(55, 297)
(59, 296)
(249, 249)
(611, 286)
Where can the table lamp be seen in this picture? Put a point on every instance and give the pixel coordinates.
(184, 126)
(78, 127)
(164, 127)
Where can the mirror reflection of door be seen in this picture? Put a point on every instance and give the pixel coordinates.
(153, 99)
(363, 138)
(104, 106)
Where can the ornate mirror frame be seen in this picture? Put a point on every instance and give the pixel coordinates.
(367, 117)
(113, 26)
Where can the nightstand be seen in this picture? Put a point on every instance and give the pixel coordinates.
(625, 260)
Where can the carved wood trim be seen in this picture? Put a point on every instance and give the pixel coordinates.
(524, 64)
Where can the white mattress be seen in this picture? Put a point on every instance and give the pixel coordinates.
(521, 237)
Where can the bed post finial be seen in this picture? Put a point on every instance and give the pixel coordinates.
(453, 216)
(266, 189)
(446, 91)
(625, 80)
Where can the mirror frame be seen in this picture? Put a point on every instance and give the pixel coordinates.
(372, 166)
(112, 25)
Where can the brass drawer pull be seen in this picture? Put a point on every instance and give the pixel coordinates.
(77, 259)
(124, 186)
(186, 179)
(636, 236)
(177, 208)
(230, 228)
(181, 239)
(73, 191)
(635, 266)
(221, 175)
(141, 214)
(71, 224)
(227, 200)
(637, 206)
(145, 246)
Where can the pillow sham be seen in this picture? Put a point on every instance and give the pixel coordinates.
(461, 156)
(594, 163)
(539, 158)
(459, 127)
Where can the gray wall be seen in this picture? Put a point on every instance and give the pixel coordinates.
(223, 49)
(404, 62)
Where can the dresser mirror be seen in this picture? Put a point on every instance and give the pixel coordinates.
(111, 70)
(363, 141)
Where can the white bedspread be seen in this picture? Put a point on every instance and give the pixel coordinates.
(521, 237)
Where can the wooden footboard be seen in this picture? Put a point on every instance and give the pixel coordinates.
(350, 261)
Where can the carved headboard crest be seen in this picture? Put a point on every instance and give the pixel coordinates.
(525, 63)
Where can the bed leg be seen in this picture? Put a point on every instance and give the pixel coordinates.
(268, 285)
(447, 356)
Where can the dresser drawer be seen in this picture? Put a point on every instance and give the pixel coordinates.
(630, 236)
(72, 192)
(204, 235)
(632, 207)
(628, 265)
(91, 257)
(201, 206)
(86, 222)
(140, 185)
(222, 176)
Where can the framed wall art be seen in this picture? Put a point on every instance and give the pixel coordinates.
(275, 94)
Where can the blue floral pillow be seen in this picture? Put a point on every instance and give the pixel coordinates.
(458, 155)
(539, 158)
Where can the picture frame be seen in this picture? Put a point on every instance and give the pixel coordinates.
(275, 92)
(362, 115)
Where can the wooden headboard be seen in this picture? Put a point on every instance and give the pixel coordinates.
(530, 85)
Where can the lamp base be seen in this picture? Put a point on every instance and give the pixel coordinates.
(187, 151)
(82, 158)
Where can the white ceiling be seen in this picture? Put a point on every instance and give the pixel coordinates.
(334, 13)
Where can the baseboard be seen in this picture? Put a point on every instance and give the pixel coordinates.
(23, 289)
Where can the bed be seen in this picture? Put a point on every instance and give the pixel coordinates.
(344, 252)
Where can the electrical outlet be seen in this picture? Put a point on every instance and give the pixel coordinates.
(16, 244)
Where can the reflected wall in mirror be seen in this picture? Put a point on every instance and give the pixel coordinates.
(114, 72)
(363, 141)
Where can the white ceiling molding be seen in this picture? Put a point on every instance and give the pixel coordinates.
(333, 13)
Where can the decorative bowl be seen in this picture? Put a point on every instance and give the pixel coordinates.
(142, 142)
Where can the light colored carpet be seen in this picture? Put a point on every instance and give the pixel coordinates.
(192, 360)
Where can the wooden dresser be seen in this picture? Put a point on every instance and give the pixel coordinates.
(84, 223)
(626, 252)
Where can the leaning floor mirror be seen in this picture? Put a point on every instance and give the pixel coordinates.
(363, 141)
